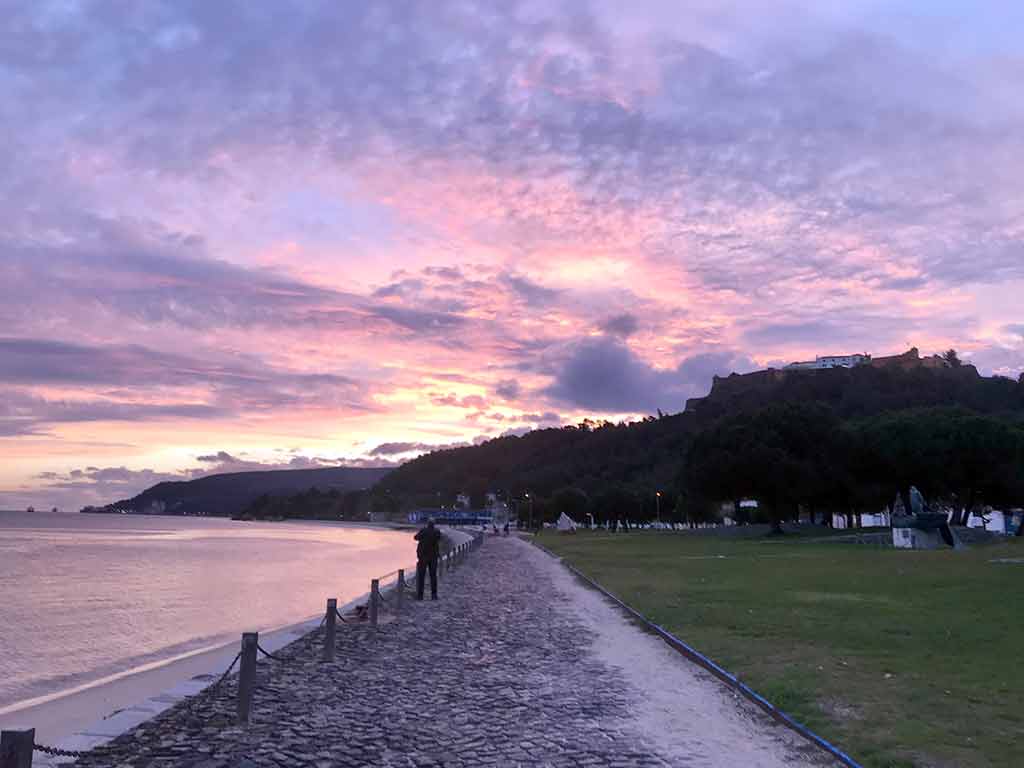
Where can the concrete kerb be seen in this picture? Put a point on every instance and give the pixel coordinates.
(706, 663)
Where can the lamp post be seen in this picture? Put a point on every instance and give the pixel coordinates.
(530, 498)
(657, 504)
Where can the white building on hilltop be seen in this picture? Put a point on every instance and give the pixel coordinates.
(831, 361)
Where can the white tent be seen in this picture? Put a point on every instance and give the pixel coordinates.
(565, 523)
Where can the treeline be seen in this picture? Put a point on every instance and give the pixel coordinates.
(840, 441)
(794, 458)
(592, 457)
(313, 504)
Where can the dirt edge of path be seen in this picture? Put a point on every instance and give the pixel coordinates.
(679, 707)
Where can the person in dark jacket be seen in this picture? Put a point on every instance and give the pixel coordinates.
(427, 552)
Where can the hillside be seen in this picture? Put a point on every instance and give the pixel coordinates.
(228, 494)
(591, 457)
(863, 391)
(640, 457)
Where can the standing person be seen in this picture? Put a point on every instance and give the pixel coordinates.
(427, 552)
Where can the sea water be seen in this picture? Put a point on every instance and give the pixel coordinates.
(84, 597)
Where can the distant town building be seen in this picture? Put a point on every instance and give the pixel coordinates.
(910, 359)
(907, 360)
(831, 361)
(452, 516)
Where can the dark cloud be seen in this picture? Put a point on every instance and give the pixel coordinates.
(529, 291)
(399, 289)
(507, 389)
(398, 448)
(547, 418)
(23, 413)
(623, 325)
(235, 385)
(603, 374)
(420, 320)
(217, 458)
(823, 135)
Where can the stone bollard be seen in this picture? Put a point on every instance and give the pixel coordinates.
(332, 628)
(247, 674)
(374, 600)
(16, 748)
(400, 591)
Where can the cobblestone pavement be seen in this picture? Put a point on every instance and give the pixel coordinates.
(492, 674)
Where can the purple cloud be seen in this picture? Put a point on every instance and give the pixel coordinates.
(605, 375)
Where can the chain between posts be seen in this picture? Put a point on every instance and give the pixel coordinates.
(55, 752)
(449, 558)
(268, 654)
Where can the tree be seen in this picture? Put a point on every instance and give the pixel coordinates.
(570, 501)
(952, 358)
(614, 503)
(778, 455)
(950, 454)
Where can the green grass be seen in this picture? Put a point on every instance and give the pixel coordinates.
(900, 658)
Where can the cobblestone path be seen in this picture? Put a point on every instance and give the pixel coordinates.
(492, 674)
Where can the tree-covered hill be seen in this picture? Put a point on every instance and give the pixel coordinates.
(613, 465)
(590, 456)
(227, 494)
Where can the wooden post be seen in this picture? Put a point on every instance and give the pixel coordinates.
(374, 598)
(247, 674)
(16, 748)
(332, 628)
(400, 591)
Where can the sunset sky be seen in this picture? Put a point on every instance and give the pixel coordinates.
(243, 234)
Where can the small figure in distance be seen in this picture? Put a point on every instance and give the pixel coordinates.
(427, 551)
(495, 529)
(506, 527)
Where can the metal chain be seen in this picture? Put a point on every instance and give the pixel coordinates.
(268, 654)
(58, 752)
(226, 672)
(191, 701)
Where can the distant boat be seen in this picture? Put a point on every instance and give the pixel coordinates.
(31, 509)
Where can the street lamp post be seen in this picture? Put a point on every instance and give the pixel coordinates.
(657, 503)
(530, 498)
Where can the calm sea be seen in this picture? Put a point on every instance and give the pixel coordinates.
(83, 597)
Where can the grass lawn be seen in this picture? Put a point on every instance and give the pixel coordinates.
(900, 658)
